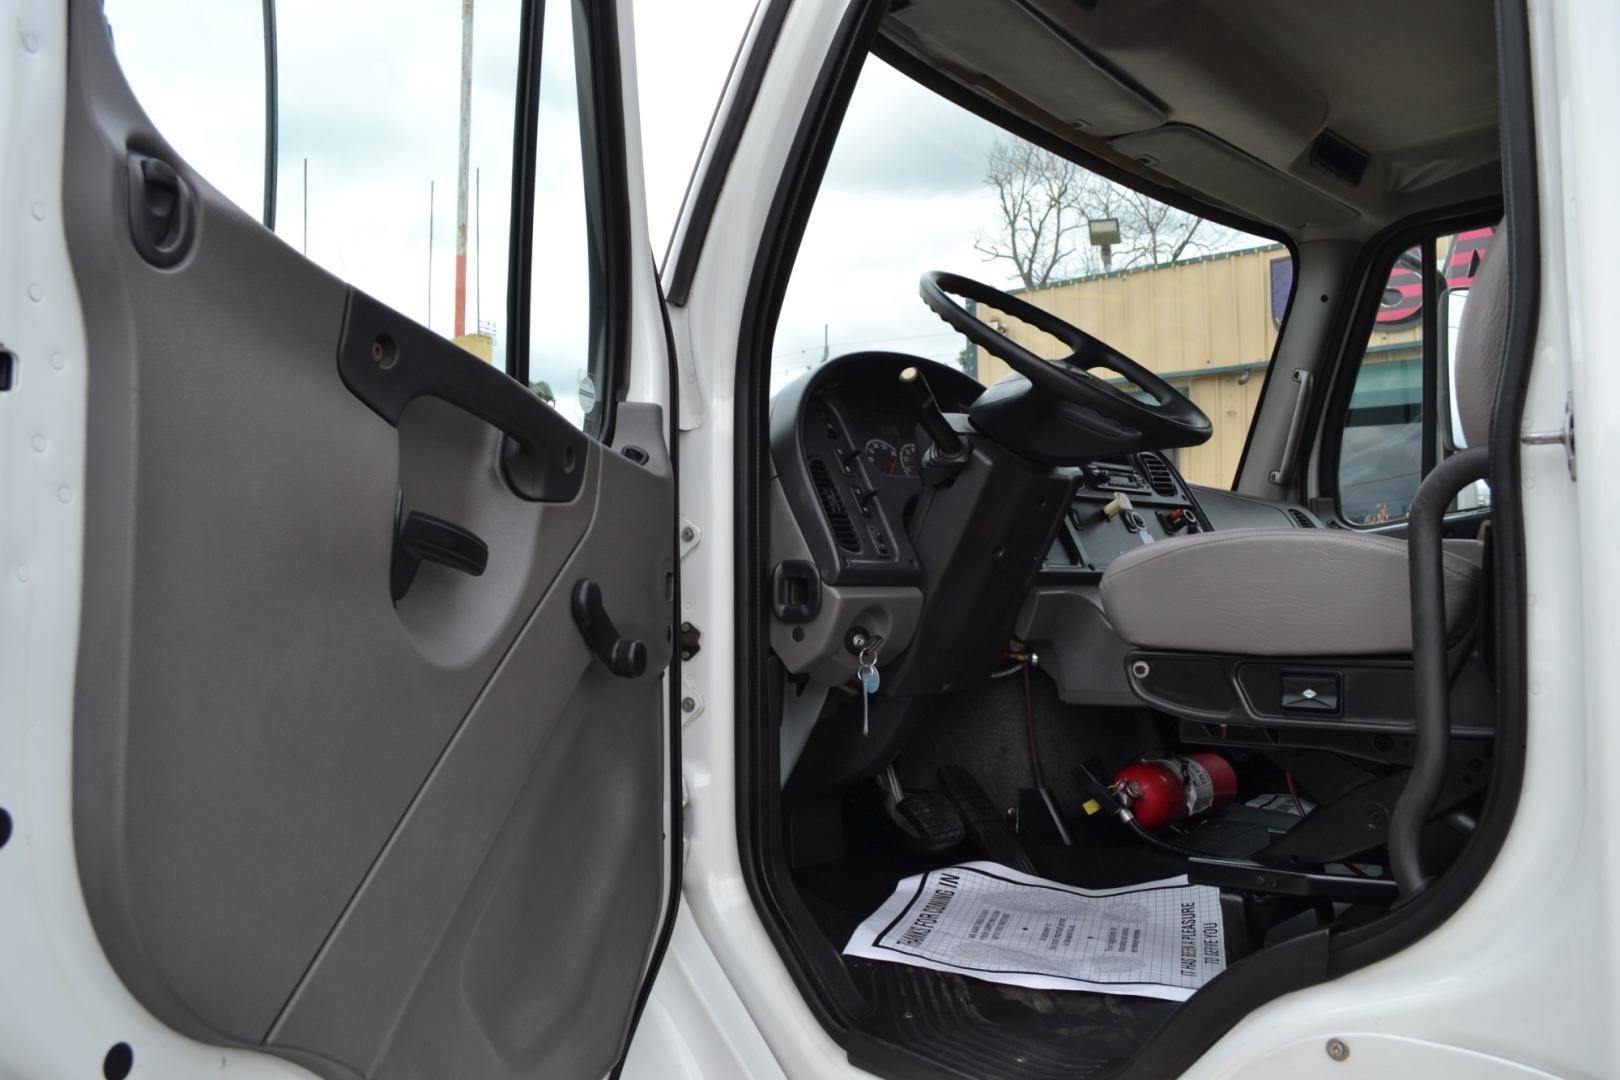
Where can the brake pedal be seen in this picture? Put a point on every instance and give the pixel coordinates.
(925, 816)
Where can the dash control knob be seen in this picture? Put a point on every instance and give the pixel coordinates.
(1179, 520)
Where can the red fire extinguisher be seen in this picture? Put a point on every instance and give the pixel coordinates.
(1163, 791)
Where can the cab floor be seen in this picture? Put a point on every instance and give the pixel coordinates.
(934, 1024)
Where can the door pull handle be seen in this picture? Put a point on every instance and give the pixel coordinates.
(625, 657)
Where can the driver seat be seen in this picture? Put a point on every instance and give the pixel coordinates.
(1322, 592)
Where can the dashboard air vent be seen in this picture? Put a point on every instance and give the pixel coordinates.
(1159, 476)
(832, 504)
(1301, 519)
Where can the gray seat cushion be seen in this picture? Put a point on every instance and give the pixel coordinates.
(1278, 592)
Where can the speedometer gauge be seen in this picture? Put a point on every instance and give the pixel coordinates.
(882, 458)
(908, 459)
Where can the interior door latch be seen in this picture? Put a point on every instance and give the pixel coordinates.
(424, 538)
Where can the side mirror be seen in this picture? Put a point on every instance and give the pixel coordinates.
(1452, 302)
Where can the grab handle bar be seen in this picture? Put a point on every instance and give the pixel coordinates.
(1279, 475)
(1431, 728)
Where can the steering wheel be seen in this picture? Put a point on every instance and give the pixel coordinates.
(1101, 418)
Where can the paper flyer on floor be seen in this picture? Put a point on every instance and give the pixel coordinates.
(1159, 939)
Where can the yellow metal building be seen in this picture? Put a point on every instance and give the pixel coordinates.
(1206, 325)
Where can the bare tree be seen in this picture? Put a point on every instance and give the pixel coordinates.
(1044, 203)
(1153, 233)
(1037, 197)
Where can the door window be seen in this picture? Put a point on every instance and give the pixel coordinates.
(1391, 437)
(207, 101)
(394, 165)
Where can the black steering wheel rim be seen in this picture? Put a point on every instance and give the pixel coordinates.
(1171, 420)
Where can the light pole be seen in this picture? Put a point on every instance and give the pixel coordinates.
(1104, 234)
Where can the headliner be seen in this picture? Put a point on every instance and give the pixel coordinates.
(1223, 101)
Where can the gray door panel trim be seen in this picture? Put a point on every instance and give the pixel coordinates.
(368, 974)
(278, 776)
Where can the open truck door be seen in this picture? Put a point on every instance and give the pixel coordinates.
(371, 744)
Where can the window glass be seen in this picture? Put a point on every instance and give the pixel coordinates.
(673, 125)
(207, 102)
(371, 184)
(384, 178)
(1463, 254)
(1381, 453)
(916, 183)
(565, 359)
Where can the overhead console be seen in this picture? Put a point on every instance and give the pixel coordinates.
(1055, 75)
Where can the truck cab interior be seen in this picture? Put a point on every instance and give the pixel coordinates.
(1000, 621)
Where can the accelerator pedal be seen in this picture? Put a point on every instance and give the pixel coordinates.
(984, 822)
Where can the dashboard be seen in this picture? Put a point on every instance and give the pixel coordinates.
(848, 447)
(846, 444)
(871, 534)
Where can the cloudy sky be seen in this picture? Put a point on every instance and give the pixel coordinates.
(904, 194)
(369, 95)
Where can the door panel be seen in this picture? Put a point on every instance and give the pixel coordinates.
(424, 839)
(550, 797)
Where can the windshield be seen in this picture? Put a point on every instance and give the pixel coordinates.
(917, 183)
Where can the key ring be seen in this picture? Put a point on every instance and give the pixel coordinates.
(868, 655)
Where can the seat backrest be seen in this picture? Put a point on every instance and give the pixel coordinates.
(1481, 341)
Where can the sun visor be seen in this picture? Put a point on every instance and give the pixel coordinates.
(1010, 50)
(1220, 171)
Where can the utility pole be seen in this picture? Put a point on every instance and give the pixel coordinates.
(306, 206)
(478, 242)
(461, 165)
(428, 321)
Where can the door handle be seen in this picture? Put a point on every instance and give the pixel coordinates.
(388, 361)
(625, 657)
(425, 538)
(162, 211)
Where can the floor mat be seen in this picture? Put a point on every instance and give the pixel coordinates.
(1160, 939)
(966, 1027)
(936, 1023)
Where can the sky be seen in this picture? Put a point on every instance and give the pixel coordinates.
(369, 99)
(903, 194)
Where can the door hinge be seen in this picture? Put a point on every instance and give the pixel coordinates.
(1564, 437)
